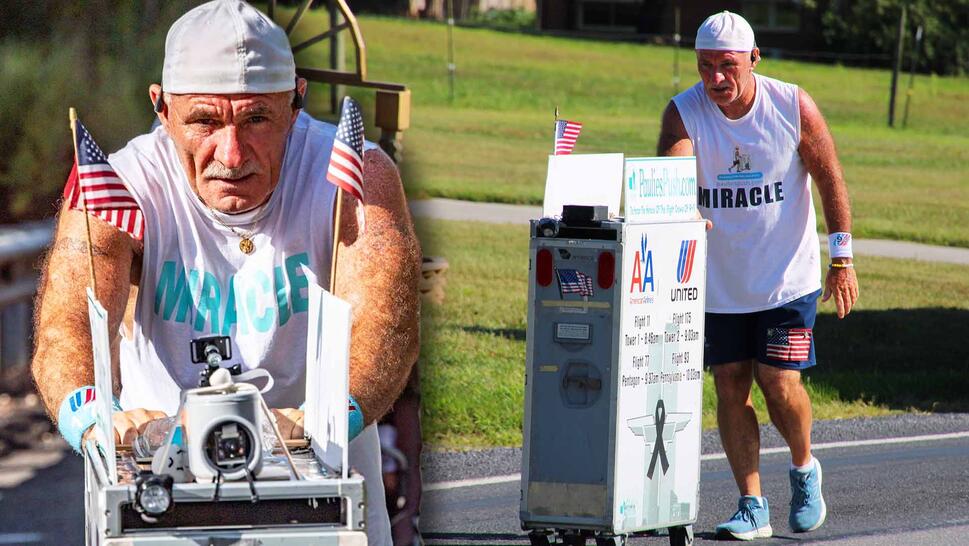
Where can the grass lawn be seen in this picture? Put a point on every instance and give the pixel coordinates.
(491, 143)
(902, 348)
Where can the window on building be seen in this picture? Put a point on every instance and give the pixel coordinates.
(773, 15)
(609, 14)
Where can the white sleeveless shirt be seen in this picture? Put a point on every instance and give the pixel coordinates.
(196, 282)
(763, 249)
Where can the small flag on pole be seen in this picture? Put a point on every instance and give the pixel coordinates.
(104, 194)
(566, 133)
(346, 159)
(572, 281)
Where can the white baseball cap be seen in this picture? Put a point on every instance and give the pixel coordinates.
(227, 46)
(725, 31)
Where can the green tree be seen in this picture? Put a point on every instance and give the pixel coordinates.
(870, 26)
(97, 55)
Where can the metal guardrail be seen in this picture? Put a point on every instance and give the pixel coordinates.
(21, 248)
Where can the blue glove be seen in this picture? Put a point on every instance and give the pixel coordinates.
(354, 417)
(77, 413)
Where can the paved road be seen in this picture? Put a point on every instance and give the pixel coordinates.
(451, 209)
(911, 493)
(914, 492)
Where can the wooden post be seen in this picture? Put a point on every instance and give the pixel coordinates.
(676, 49)
(338, 58)
(72, 114)
(899, 49)
(451, 67)
(911, 77)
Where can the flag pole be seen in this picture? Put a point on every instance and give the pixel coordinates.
(72, 114)
(555, 128)
(336, 239)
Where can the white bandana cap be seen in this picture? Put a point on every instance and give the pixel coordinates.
(725, 31)
(227, 46)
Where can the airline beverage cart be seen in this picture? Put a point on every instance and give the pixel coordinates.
(614, 368)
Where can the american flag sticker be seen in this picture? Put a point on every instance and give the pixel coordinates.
(572, 281)
(789, 344)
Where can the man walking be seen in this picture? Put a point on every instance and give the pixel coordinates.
(764, 257)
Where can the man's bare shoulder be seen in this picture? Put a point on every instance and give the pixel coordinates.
(812, 121)
(673, 137)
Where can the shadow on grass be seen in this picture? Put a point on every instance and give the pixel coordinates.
(901, 358)
(515, 334)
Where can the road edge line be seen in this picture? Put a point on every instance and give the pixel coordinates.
(508, 478)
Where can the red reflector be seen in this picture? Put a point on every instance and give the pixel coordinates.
(607, 269)
(543, 268)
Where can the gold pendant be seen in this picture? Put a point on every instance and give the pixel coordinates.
(246, 245)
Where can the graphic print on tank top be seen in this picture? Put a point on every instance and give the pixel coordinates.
(740, 185)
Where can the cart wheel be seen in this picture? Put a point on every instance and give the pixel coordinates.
(573, 539)
(538, 538)
(681, 536)
(611, 540)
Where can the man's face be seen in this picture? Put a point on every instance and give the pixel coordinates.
(231, 146)
(726, 75)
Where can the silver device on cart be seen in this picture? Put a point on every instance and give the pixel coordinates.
(613, 378)
(218, 471)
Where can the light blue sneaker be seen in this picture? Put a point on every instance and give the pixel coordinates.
(751, 521)
(807, 505)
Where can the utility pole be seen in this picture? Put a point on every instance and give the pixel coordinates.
(899, 49)
(911, 77)
(676, 49)
(451, 68)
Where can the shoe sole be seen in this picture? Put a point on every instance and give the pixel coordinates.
(764, 532)
(824, 507)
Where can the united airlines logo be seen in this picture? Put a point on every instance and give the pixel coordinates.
(684, 272)
(684, 266)
(81, 397)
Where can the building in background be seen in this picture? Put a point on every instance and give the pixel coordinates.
(780, 25)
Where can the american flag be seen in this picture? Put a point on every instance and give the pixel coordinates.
(94, 181)
(789, 344)
(572, 281)
(346, 159)
(566, 133)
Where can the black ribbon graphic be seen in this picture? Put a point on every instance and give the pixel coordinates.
(659, 446)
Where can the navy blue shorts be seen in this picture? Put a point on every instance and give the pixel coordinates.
(782, 337)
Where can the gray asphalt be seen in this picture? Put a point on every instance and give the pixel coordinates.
(911, 493)
(441, 466)
(891, 494)
(499, 213)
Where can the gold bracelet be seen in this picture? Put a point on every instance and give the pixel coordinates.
(834, 265)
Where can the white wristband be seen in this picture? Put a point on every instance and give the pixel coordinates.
(839, 245)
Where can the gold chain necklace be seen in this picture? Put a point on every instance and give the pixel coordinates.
(245, 237)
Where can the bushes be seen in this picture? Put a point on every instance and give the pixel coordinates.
(870, 26)
(99, 59)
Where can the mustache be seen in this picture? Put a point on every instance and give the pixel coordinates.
(216, 169)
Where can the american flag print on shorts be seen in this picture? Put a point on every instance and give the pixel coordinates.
(789, 344)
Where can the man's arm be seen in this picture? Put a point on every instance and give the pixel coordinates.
(378, 273)
(62, 358)
(819, 156)
(673, 138)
